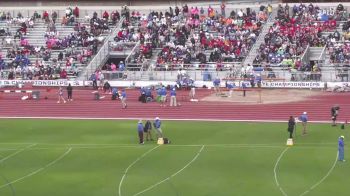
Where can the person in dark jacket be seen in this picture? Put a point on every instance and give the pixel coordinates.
(147, 129)
(70, 92)
(291, 125)
(334, 113)
(140, 131)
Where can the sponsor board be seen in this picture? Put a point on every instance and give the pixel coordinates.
(45, 82)
(165, 83)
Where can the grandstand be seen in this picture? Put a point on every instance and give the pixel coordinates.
(237, 70)
(154, 47)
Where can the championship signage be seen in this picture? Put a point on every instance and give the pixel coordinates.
(292, 84)
(45, 82)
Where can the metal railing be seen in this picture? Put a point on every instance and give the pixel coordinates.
(101, 55)
(333, 75)
(306, 55)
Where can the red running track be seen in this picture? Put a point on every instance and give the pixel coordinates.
(84, 106)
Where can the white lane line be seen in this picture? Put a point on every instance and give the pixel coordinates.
(38, 170)
(127, 169)
(147, 117)
(324, 178)
(241, 144)
(173, 175)
(18, 151)
(275, 172)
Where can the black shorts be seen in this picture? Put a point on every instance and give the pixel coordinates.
(145, 130)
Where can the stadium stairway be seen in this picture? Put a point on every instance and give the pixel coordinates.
(260, 40)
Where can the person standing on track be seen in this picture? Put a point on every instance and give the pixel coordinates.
(70, 92)
(291, 125)
(60, 95)
(341, 148)
(216, 84)
(173, 97)
(230, 87)
(140, 131)
(304, 118)
(334, 114)
(163, 93)
(123, 99)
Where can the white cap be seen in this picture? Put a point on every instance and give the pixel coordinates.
(342, 136)
(157, 118)
(305, 113)
(140, 121)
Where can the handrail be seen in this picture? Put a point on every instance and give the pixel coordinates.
(101, 54)
(132, 52)
(305, 56)
(323, 54)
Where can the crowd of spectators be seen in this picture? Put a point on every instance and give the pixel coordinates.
(60, 56)
(295, 29)
(191, 34)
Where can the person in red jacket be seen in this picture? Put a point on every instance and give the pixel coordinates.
(105, 15)
(63, 74)
(76, 12)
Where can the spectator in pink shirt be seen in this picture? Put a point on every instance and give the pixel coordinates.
(113, 67)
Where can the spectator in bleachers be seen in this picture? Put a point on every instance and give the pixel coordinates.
(76, 12)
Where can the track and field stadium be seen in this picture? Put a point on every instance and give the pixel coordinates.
(242, 97)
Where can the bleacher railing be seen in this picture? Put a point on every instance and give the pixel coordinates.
(209, 75)
(101, 55)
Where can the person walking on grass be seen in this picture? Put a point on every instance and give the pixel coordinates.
(291, 125)
(304, 118)
(123, 99)
(157, 125)
(341, 148)
(60, 95)
(70, 92)
(140, 131)
(147, 130)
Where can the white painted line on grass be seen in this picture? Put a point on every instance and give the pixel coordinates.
(324, 178)
(38, 170)
(169, 119)
(173, 175)
(275, 172)
(18, 151)
(127, 169)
